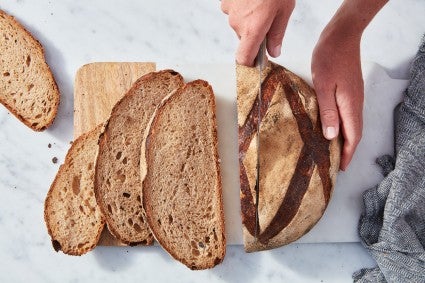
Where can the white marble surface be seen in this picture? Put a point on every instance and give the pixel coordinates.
(77, 32)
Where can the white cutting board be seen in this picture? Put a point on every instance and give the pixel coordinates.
(339, 223)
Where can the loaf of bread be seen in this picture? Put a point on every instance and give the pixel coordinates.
(298, 166)
(27, 87)
(182, 193)
(73, 219)
(117, 176)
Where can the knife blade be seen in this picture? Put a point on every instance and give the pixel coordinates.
(259, 62)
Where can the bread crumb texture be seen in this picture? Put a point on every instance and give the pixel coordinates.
(182, 188)
(72, 216)
(118, 182)
(27, 85)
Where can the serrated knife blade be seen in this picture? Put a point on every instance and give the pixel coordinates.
(259, 63)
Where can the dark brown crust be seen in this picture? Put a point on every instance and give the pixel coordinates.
(42, 127)
(293, 197)
(311, 135)
(220, 259)
(315, 151)
(246, 134)
(56, 244)
(145, 195)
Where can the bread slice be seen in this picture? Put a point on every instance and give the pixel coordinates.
(27, 86)
(73, 219)
(298, 166)
(117, 177)
(182, 193)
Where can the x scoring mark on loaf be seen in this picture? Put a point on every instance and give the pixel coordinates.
(315, 151)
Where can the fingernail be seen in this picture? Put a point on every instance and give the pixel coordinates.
(276, 50)
(330, 132)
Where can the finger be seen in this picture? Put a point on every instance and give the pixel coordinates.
(351, 126)
(275, 36)
(248, 48)
(277, 31)
(225, 6)
(329, 115)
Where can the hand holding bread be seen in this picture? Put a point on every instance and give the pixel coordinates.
(337, 75)
(335, 67)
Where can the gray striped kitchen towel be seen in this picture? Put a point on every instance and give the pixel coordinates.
(392, 225)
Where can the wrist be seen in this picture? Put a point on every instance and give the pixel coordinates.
(352, 18)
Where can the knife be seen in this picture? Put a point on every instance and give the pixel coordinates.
(259, 63)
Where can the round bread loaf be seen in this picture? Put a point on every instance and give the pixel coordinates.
(298, 166)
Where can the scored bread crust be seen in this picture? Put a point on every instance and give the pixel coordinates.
(32, 99)
(117, 174)
(292, 146)
(194, 249)
(73, 219)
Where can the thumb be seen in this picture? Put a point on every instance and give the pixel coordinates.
(275, 35)
(328, 113)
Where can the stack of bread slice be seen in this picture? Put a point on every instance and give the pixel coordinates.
(150, 172)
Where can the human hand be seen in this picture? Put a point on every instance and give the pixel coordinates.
(254, 20)
(337, 79)
(337, 74)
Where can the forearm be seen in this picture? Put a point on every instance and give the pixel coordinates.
(354, 16)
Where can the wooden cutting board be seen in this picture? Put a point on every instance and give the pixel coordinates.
(98, 86)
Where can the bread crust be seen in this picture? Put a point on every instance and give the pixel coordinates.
(298, 165)
(45, 70)
(146, 195)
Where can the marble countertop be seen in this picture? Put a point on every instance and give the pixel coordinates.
(195, 31)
